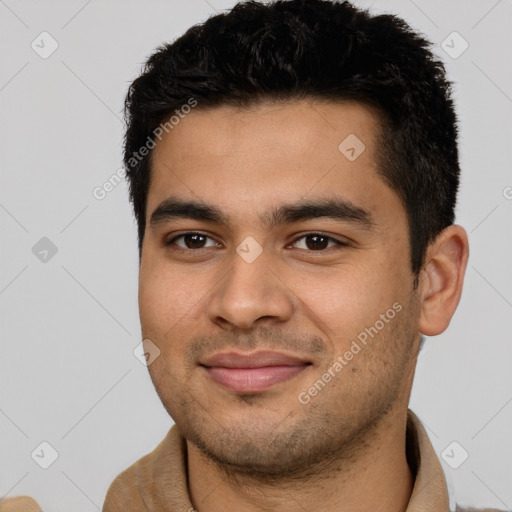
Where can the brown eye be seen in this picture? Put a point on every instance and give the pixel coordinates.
(316, 242)
(192, 241)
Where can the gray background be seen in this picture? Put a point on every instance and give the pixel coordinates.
(69, 321)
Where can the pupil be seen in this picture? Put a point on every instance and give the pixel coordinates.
(318, 242)
(194, 241)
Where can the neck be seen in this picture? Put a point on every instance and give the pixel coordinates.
(379, 478)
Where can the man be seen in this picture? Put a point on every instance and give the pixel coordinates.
(293, 168)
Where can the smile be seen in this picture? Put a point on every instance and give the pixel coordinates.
(253, 373)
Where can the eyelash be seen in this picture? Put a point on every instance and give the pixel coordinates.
(339, 243)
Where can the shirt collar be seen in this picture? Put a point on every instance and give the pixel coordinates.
(159, 480)
(429, 493)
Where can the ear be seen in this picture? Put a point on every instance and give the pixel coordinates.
(441, 279)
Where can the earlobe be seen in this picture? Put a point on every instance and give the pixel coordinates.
(442, 279)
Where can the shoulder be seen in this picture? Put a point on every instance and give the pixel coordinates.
(137, 487)
(125, 489)
(19, 504)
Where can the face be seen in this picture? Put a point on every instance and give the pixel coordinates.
(275, 280)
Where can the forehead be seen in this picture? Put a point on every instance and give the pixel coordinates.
(270, 154)
(285, 125)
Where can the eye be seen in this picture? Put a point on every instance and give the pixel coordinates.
(190, 241)
(316, 242)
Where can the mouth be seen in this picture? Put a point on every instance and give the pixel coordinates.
(253, 372)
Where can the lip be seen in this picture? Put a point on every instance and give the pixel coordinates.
(257, 359)
(252, 372)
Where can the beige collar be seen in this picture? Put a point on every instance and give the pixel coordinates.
(158, 481)
(429, 493)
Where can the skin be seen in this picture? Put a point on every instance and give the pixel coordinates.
(267, 450)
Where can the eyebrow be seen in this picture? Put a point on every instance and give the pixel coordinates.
(335, 208)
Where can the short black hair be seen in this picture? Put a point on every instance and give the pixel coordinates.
(311, 49)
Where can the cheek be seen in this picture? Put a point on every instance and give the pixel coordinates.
(162, 288)
(171, 313)
(162, 310)
(344, 302)
(163, 301)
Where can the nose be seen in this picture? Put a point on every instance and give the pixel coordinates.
(249, 294)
